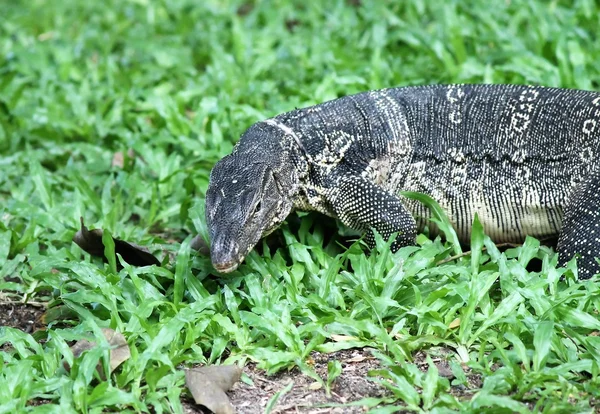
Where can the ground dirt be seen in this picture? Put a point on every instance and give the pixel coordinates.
(23, 316)
(305, 396)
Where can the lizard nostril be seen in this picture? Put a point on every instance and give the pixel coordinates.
(225, 250)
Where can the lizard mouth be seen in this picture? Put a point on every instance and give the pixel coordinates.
(226, 267)
(225, 253)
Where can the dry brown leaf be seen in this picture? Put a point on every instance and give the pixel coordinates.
(358, 358)
(342, 338)
(315, 386)
(444, 370)
(119, 352)
(119, 158)
(91, 242)
(209, 383)
(454, 324)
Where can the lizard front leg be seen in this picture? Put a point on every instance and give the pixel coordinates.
(363, 206)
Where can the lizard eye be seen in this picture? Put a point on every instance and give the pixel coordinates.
(257, 207)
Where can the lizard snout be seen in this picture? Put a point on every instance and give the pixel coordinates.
(224, 254)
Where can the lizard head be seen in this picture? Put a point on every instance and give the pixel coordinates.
(250, 193)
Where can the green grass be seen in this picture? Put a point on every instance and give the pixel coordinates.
(177, 82)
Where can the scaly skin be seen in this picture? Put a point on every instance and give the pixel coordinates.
(523, 158)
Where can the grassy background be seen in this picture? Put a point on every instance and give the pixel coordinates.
(177, 82)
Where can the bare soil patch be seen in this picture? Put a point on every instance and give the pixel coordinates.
(305, 396)
(21, 316)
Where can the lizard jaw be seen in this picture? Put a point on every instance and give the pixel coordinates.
(224, 253)
(227, 267)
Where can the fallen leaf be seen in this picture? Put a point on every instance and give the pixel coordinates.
(444, 370)
(358, 358)
(342, 338)
(209, 383)
(91, 242)
(315, 386)
(119, 158)
(454, 324)
(119, 352)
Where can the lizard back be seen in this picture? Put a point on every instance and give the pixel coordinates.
(510, 153)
